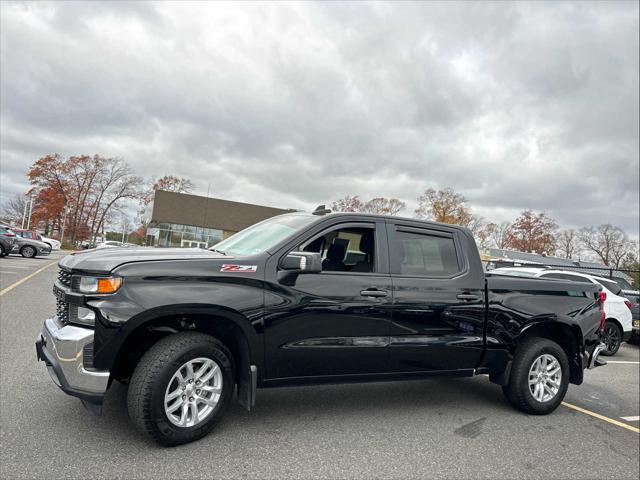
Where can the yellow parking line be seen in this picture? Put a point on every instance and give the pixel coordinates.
(19, 282)
(602, 417)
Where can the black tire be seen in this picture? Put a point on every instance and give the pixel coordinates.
(612, 338)
(28, 251)
(153, 374)
(518, 391)
(2, 254)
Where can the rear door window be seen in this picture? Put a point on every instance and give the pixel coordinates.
(425, 254)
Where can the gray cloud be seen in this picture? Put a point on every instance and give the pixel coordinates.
(515, 105)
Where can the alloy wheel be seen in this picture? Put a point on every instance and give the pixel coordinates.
(193, 392)
(611, 338)
(545, 378)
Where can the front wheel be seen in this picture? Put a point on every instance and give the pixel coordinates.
(181, 388)
(539, 377)
(612, 338)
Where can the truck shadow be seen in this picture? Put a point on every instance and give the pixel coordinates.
(276, 407)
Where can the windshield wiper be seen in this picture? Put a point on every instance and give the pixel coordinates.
(218, 251)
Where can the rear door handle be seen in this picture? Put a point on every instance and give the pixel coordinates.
(467, 296)
(373, 292)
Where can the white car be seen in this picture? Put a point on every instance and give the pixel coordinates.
(617, 308)
(111, 244)
(52, 242)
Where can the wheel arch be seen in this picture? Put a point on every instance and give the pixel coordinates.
(617, 322)
(229, 326)
(569, 337)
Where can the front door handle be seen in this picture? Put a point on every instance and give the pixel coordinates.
(373, 292)
(467, 297)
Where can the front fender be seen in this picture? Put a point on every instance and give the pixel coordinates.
(110, 337)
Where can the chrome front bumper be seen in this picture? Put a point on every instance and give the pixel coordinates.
(62, 348)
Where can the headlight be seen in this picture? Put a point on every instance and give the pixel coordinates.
(99, 284)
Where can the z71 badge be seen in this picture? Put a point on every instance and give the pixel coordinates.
(239, 268)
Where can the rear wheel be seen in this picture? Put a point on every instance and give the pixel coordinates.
(539, 376)
(181, 388)
(28, 251)
(612, 338)
(2, 252)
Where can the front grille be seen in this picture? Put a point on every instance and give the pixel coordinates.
(62, 311)
(64, 278)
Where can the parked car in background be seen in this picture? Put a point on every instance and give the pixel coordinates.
(52, 242)
(112, 244)
(634, 305)
(7, 239)
(29, 248)
(617, 308)
(33, 235)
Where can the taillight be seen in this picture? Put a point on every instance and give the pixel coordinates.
(603, 298)
(7, 234)
(628, 304)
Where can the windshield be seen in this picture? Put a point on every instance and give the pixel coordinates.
(263, 235)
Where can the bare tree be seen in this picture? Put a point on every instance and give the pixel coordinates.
(347, 204)
(610, 244)
(499, 234)
(383, 206)
(568, 243)
(13, 209)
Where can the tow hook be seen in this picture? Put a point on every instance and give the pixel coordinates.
(595, 361)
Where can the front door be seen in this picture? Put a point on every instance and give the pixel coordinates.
(438, 310)
(334, 323)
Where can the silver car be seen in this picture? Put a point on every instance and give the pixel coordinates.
(30, 248)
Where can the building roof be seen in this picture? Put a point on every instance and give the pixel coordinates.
(186, 209)
(564, 263)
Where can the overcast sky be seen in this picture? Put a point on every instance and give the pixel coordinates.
(294, 104)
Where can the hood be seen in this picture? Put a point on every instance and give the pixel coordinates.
(106, 259)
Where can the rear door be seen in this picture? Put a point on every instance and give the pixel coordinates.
(438, 308)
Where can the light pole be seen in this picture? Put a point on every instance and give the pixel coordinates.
(64, 221)
(124, 226)
(30, 210)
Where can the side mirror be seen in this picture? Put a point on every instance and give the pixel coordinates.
(296, 263)
(302, 262)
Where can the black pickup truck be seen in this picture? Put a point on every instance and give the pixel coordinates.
(305, 299)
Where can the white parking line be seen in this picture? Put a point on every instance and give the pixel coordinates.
(631, 419)
(622, 361)
(6, 272)
(19, 267)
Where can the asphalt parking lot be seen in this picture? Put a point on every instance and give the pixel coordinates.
(455, 428)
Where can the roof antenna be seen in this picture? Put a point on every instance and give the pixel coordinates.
(321, 210)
